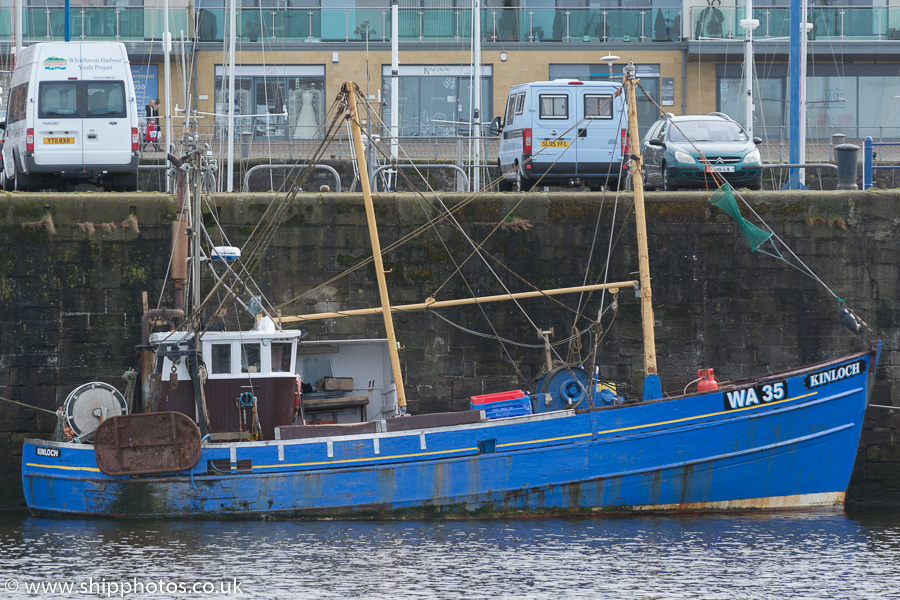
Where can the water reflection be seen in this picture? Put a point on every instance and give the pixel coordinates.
(797, 555)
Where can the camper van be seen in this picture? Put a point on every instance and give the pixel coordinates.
(71, 117)
(564, 132)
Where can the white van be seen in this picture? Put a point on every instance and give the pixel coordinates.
(71, 117)
(562, 132)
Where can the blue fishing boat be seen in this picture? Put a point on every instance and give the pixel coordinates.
(262, 423)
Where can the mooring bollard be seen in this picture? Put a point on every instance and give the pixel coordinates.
(836, 140)
(846, 156)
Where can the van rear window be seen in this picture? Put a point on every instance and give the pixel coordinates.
(554, 106)
(58, 99)
(105, 98)
(81, 99)
(597, 106)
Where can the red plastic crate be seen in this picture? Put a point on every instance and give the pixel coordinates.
(497, 397)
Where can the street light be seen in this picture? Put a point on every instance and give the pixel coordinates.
(610, 59)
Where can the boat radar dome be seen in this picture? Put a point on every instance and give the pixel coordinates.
(226, 253)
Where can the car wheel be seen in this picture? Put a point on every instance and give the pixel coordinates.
(522, 184)
(666, 179)
(5, 184)
(627, 184)
(504, 185)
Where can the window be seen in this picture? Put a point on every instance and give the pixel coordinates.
(281, 357)
(17, 98)
(250, 358)
(295, 89)
(58, 99)
(554, 106)
(105, 98)
(510, 108)
(597, 106)
(81, 99)
(220, 359)
(435, 100)
(520, 103)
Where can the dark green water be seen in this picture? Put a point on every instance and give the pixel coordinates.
(851, 555)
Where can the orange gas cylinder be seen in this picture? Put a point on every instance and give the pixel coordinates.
(707, 382)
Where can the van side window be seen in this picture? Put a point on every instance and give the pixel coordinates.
(58, 99)
(510, 107)
(105, 99)
(597, 106)
(554, 106)
(17, 98)
(520, 103)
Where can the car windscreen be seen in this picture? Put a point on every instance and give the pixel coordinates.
(706, 131)
(81, 99)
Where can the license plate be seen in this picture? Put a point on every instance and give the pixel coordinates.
(59, 140)
(719, 169)
(554, 144)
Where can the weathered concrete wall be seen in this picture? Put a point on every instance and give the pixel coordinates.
(70, 296)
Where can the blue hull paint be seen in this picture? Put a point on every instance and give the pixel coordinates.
(695, 452)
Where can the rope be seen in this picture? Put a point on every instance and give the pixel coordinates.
(130, 376)
(49, 412)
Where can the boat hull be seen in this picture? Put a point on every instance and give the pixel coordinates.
(728, 449)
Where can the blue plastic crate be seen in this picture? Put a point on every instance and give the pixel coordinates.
(515, 407)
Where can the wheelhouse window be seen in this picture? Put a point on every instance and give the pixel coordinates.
(220, 359)
(554, 106)
(250, 358)
(597, 106)
(281, 357)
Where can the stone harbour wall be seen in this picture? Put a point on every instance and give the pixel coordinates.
(73, 269)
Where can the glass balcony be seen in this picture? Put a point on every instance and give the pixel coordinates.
(42, 24)
(525, 25)
(829, 23)
(289, 24)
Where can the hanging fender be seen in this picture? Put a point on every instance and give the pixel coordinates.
(297, 392)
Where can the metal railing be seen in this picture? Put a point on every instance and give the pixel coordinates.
(421, 24)
(829, 23)
(353, 24)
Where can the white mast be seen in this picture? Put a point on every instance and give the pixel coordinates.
(475, 130)
(749, 24)
(802, 108)
(395, 79)
(20, 27)
(167, 49)
(232, 41)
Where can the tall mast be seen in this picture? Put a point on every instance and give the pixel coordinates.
(749, 24)
(351, 91)
(652, 386)
(475, 128)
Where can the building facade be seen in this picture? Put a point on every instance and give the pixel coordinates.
(293, 55)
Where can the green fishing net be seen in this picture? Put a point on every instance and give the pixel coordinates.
(724, 199)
